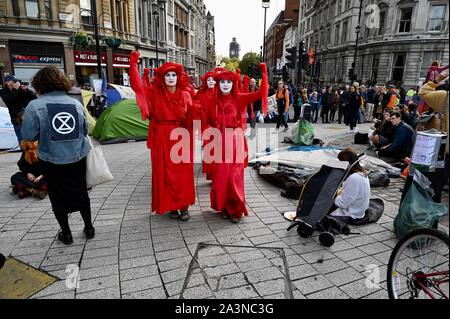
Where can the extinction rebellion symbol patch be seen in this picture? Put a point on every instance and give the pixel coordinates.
(64, 122)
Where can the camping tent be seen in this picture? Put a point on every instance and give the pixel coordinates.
(121, 122)
(115, 93)
(8, 139)
(84, 97)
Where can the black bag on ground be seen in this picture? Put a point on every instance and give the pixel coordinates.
(378, 179)
(372, 215)
(361, 138)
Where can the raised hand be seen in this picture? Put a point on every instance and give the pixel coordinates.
(134, 57)
(263, 67)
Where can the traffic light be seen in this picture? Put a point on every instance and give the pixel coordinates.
(285, 74)
(292, 57)
(303, 56)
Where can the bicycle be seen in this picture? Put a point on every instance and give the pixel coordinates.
(419, 266)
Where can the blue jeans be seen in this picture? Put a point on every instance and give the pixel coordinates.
(18, 132)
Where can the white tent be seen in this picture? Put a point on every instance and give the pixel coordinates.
(8, 139)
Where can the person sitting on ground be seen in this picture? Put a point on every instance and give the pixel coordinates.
(353, 199)
(402, 145)
(406, 117)
(29, 181)
(383, 132)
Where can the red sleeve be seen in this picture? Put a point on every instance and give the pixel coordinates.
(248, 98)
(138, 86)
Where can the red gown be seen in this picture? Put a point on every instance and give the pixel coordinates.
(172, 183)
(204, 98)
(227, 191)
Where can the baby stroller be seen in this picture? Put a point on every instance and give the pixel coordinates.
(306, 112)
(317, 198)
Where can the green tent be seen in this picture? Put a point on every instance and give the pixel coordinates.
(120, 123)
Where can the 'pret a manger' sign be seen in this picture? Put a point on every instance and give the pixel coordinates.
(88, 57)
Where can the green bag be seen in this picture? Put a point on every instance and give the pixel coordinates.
(305, 134)
(418, 209)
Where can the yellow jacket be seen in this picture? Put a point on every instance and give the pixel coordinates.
(438, 101)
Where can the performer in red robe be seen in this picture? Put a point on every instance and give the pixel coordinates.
(203, 97)
(225, 115)
(168, 104)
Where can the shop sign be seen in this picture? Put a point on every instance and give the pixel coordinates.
(121, 59)
(36, 59)
(88, 57)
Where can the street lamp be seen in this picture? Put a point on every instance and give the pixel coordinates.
(156, 17)
(358, 30)
(265, 5)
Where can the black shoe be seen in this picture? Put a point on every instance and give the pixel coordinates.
(65, 239)
(2, 261)
(224, 214)
(89, 232)
(234, 219)
(174, 214)
(184, 216)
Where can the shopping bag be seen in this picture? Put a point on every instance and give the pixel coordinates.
(305, 134)
(418, 209)
(97, 170)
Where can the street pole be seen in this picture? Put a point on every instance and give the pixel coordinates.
(157, 31)
(97, 39)
(358, 28)
(265, 21)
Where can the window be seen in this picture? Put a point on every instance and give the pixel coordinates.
(428, 57)
(382, 26)
(32, 8)
(374, 72)
(170, 7)
(405, 20)
(125, 18)
(398, 67)
(118, 18)
(336, 34)
(140, 18)
(85, 11)
(437, 16)
(170, 32)
(343, 66)
(16, 8)
(48, 10)
(328, 35)
(347, 4)
(339, 8)
(345, 31)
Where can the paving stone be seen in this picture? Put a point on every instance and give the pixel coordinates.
(351, 254)
(362, 263)
(255, 264)
(247, 255)
(316, 256)
(98, 283)
(139, 272)
(155, 293)
(271, 287)
(97, 272)
(137, 262)
(222, 270)
(135, 253)
(199, 292)
(140, 284)
(328, 266)
(110, 293)
(259, 275)
(312, 284)
(171, 254)
(301, 271)
(329, 293)
(174, 275)
(245, 292)
(98, 262)
(174, 263)
(358, 289)
(375, 248)
(344, 276)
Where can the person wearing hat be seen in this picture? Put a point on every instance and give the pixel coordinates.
(168, 103)
(224, 116)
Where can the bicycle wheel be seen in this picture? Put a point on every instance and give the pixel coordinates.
(418, 267)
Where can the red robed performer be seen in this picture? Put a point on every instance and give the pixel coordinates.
(168, 104)
(225, 114)
(203, 97)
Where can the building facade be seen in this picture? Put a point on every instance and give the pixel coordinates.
(397, 39)
(235, 49)
(37, 33)
(275, 38)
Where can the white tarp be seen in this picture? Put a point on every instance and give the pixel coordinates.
(125, 92)
(8, 139)
(315, 159)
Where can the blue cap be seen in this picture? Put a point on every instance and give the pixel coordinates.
(10, 77)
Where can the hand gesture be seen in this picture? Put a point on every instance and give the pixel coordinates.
(134, 57)
(263, 67)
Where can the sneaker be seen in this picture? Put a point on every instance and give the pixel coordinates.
(23, 194)
(174, 214)
(65, 239)
(39, 194)
(14, 190)
(184, 216)
(89, 232)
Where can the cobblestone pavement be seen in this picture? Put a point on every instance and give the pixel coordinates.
(135, 255)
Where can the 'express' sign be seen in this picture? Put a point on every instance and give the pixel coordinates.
(36, 59)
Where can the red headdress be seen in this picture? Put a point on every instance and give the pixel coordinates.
(183, 82)
(204, 86)
(223, 74)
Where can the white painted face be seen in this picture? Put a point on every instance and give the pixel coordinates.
(210, 82)
(171, 78)
(226, 86)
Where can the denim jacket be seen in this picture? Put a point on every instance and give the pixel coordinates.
(59, 124)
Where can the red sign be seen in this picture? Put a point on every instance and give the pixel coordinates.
(88, 57)
(36, 59)
(121, 59)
